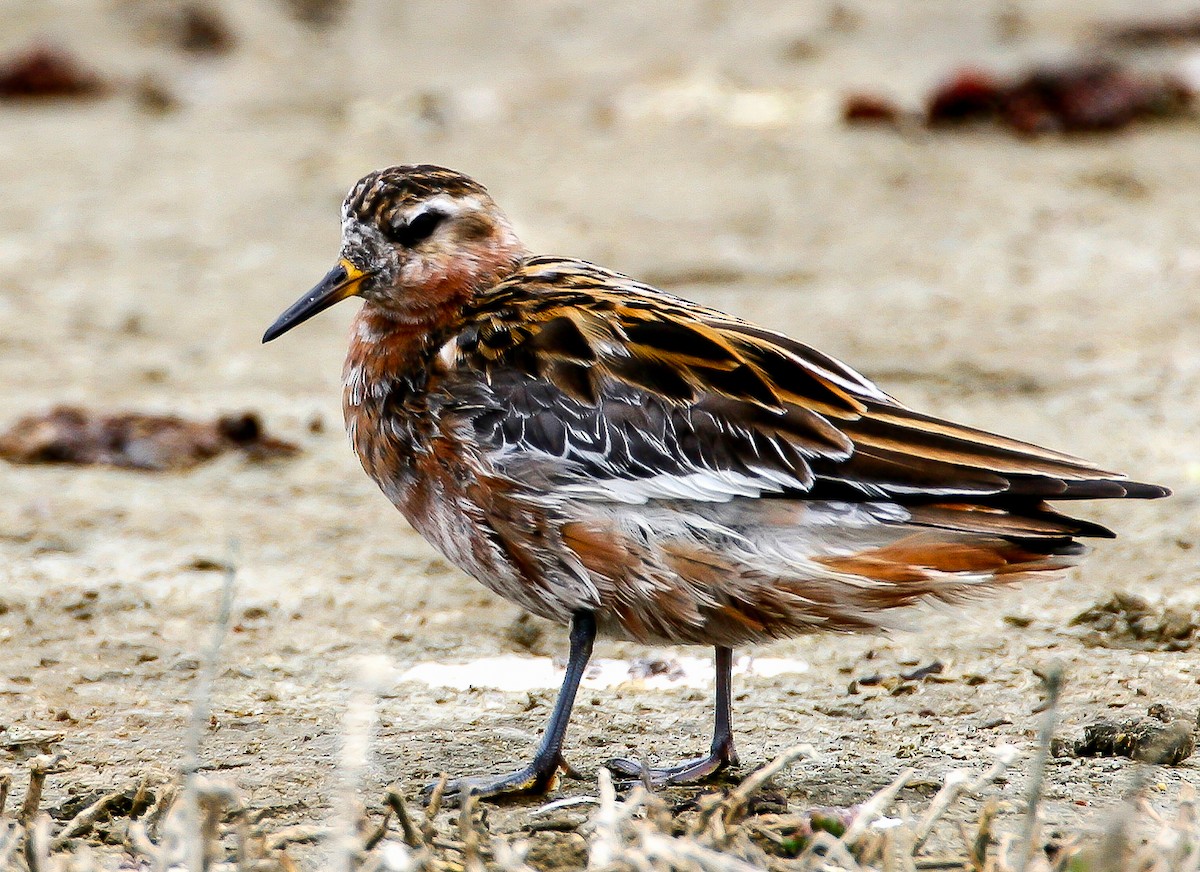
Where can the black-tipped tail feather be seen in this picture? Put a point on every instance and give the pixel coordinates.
(1088, 489)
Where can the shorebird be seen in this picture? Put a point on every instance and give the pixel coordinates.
(615, 458)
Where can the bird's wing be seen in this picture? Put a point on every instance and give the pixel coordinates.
(600, 387)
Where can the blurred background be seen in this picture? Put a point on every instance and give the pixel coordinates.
(988, 207)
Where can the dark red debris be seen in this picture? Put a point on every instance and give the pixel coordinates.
(969, 96)
(869, 109)
(47, 71)
(132, 440)
(1076, 98)
(1157, 31)
(1089, 98)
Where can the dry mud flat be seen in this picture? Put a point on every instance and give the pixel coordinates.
(1044, 288)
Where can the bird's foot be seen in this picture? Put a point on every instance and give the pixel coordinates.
(691, 771)
(532, 780)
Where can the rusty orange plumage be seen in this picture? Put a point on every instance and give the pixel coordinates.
(610, 456)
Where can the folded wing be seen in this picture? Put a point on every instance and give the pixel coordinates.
(595, 386)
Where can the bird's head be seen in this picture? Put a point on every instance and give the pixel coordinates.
(416, 240)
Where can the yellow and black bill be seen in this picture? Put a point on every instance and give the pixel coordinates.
(339, 283)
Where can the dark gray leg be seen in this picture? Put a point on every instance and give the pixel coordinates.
(719, 756)
(538, 776)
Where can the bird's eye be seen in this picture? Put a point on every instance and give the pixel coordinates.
(415, 231)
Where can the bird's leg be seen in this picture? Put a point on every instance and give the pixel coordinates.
(719, 756)
(539, 775)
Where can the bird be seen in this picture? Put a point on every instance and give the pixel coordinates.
(634, 465)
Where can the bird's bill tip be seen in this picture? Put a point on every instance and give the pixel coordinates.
(339, 283)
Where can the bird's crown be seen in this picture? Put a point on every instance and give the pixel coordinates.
(378, 196)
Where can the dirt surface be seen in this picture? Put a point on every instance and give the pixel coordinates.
(1045, 288)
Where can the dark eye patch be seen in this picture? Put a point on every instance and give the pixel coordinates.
(415, 231)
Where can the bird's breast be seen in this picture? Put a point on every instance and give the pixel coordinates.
(389, 425)
(385, 388)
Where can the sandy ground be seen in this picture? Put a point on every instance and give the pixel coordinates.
(1047, 289)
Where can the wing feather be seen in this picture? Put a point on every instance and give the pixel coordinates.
(590, 383)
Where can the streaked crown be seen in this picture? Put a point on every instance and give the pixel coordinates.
(379, 196)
